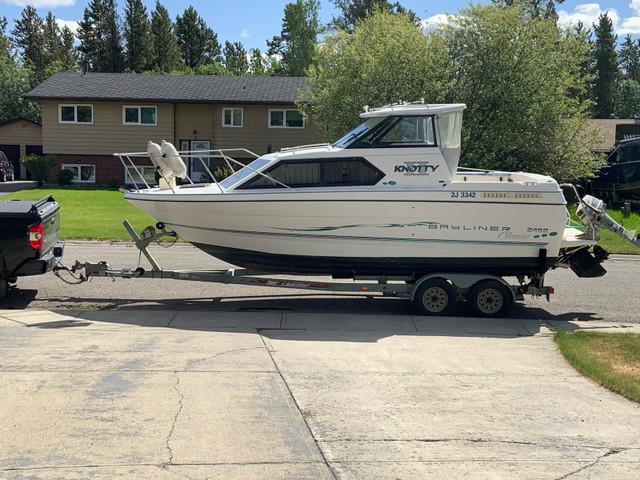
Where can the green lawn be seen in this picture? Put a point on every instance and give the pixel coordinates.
(90, 213)
(611, 359)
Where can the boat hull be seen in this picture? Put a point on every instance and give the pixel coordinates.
(360, 234)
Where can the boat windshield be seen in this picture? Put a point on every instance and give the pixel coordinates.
(243, 173)
(357, 133)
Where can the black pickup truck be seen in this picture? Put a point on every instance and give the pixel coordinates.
(29, 242)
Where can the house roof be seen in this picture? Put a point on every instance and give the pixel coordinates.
(605, 128)
(125, 87)
(19, 119)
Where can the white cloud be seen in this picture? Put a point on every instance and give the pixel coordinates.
(245, 34)
(432, 24)
(72, 24)
(42, 3)
(631, 25)
(588, 14)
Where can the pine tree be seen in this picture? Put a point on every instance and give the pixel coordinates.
(629, 56)
(198, 43)
(605, 65)
(99, 35)
(166, 53)
(28, 36)
(257, 64)
(235, 58)
(137, 36)
(297, 41)
(68, 58)
(354, 10)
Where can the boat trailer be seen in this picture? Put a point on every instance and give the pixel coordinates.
(433, 294)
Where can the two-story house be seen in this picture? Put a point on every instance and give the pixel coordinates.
(86, 118)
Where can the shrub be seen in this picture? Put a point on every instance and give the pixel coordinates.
(65, 177)
(39, 167)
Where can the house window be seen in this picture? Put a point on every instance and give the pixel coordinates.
(132, 174)
(82, 173)
(285, 119)
(231, 117)
(139, 115)
(75, 113)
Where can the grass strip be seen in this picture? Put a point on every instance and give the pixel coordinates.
(611, 359)
(90, 213)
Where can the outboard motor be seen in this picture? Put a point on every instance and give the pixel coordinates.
(592, 212)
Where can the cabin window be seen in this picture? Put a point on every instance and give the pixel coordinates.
(82, 173)
(75, 113)
(406, 131)
(317, 173)
(232, 117)
(139, 115)
(286, 119)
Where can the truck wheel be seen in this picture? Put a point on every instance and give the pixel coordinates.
(435, 297)
(489, 298)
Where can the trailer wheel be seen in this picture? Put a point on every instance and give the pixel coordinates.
(489, 298)
(435, 297)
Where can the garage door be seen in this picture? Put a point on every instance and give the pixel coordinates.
(13, 154)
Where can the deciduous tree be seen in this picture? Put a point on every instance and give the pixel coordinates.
(385, 60)
(296, 44)
(521, 79)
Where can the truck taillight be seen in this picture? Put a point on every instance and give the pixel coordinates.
(36, 236)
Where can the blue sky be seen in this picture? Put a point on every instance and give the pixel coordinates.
(252, 22)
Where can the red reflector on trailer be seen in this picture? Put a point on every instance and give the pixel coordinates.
(36, 236)
(551, 291)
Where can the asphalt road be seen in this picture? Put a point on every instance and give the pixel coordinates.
(613, 297)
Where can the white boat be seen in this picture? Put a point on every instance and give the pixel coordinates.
(388, 198)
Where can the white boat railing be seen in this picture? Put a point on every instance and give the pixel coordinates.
(128, 163)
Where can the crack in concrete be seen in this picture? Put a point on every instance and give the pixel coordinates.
(176, 387)
(613, 451)
(219, 354)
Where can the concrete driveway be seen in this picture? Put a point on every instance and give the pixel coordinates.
(288, 395)
(14, 186)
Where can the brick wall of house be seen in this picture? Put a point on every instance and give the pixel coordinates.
(107, 168)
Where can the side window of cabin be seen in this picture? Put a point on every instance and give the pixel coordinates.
(410, 131)
(317, 173)
(415, 131)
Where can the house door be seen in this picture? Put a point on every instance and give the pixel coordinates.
(195, 163)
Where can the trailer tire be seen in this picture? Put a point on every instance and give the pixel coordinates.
(489, 298)
(435, 296)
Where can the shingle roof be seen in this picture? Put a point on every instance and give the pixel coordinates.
(606, 129)
(169, 88)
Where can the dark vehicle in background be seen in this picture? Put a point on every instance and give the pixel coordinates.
(618, 181)
(7, 172)
(29, 243)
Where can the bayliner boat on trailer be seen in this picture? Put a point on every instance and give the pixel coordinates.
(388, 198)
